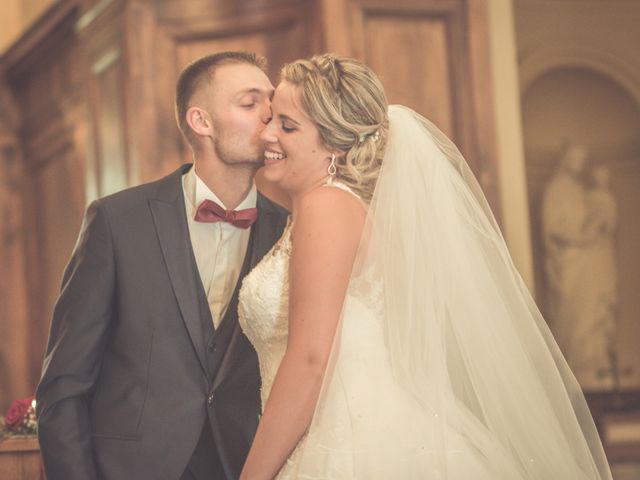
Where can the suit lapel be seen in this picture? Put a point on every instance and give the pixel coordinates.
(169, 216)
(264, 233)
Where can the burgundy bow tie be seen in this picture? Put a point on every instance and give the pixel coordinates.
(209, 211)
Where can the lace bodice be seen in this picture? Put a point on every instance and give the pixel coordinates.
(264, 308)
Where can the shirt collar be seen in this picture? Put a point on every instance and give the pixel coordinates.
(197, 191)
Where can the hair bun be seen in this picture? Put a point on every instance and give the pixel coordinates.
(328, 66)
(347, 103)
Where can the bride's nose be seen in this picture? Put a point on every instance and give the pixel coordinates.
(268, 133)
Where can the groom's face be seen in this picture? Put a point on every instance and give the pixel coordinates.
(240, 100)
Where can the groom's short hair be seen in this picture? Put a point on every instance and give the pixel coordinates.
(199, 73)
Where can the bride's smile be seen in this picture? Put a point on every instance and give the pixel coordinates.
(295, 158)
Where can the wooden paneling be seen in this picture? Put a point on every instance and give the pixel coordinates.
(58, 212)
(54, 206)
(110, 123)
(48, 86)
(433, 57)
(14, 320)
(411, 56)
(480, 88)
(101, 59)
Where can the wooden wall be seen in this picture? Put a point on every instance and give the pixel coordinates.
(91, 88)
(14, 320)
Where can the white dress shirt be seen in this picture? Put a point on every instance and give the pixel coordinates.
(219, 247)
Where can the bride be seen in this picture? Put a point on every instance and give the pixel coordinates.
(395, 337)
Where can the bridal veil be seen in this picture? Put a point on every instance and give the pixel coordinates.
(462, 336)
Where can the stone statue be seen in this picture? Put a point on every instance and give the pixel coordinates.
(579, 219)
(602, 284)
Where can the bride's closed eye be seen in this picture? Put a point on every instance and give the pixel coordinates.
(288, 124)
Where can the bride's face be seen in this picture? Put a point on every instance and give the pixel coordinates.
(295, 158)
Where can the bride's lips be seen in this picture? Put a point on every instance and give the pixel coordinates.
(271, 157)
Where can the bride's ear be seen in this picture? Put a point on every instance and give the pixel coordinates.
(338, 153)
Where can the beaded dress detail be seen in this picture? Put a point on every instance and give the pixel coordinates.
(263, 314)
(263, 310)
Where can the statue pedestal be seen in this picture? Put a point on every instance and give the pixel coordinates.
(621, 436)
(20, 459)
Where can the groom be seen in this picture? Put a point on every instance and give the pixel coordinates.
(147, 373)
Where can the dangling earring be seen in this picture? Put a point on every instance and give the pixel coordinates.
(332, 170)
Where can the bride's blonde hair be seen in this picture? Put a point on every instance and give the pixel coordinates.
(347, 102)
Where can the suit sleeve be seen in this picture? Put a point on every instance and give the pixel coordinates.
(79, 330)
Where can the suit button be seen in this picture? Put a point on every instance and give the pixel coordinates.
(212, 346)
(210, 399)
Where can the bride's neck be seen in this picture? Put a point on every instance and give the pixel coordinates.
(298, 196)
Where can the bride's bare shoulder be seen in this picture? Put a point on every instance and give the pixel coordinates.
(330, 212)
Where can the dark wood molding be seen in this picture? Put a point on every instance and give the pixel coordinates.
(9, 110)
(36, 37)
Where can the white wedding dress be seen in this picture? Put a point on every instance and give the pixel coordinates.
(363, 390)
(442, 366)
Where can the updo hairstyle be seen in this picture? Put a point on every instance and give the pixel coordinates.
(348, 104)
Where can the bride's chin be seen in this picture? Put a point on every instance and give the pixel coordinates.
(270, 175)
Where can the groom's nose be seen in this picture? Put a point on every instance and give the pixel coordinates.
(265, 113)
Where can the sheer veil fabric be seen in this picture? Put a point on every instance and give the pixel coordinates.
(442, 365)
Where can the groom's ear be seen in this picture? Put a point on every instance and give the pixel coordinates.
(199, 121)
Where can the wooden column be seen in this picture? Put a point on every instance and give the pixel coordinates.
(44, 81)
(15, 337)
